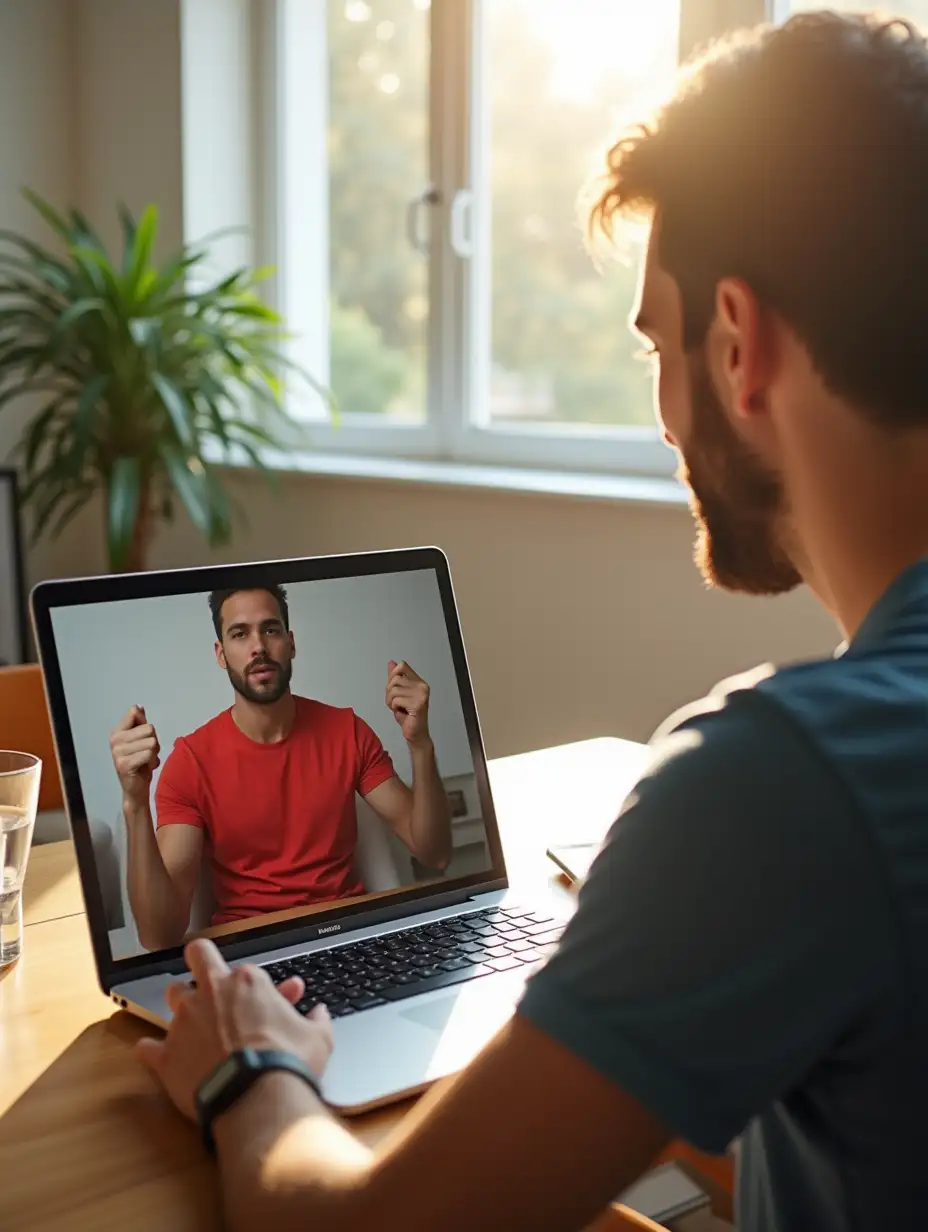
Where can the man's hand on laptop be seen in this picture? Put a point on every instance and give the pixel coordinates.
(136, 755)
(229, 1009)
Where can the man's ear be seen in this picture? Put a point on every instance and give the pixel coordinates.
(741, 345)
(292, 645)
(220, 656)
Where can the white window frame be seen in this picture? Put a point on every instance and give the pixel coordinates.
(295, 69)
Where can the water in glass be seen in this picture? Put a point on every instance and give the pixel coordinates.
(15, 839)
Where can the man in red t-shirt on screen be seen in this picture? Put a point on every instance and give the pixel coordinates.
(270, 784)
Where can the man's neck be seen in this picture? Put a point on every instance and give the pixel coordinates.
(862, 519)
(264, 724)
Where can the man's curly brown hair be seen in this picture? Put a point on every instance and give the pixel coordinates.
(796, 158)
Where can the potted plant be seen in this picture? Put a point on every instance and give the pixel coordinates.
(149, 376)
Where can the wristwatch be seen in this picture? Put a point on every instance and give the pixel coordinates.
(234, 1075)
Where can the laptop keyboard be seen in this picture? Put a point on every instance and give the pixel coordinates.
(365, 974)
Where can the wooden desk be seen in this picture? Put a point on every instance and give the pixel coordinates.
(53, 888)
(88, 1143)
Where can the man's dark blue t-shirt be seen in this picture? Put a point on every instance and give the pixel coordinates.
(750, 955)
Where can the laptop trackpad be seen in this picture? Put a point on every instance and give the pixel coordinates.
(467, 1018)
(434, 1014)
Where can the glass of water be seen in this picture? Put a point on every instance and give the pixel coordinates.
(20, 774)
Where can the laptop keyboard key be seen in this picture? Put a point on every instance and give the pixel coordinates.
(497, 951)
(548, 938)
(366, 1002)
(444, 979)
(341, 1010)
(428, 973)
(456, 964)
(504, 964)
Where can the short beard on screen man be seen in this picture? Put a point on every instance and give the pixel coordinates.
(737, 502)
(265, 692)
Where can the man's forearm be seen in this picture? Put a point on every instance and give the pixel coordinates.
(285, 1162)
(159, 913)
(431, 810)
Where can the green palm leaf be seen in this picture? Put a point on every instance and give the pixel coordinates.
(147, 367)
(123, 497)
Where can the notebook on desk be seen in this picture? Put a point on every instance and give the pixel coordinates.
(418, 965)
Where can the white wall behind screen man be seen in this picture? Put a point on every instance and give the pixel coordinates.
(159, 653)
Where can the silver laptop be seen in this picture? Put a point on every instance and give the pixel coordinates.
(286, 698)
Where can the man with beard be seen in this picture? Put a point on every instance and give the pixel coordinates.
(269, 785)
(750, 955)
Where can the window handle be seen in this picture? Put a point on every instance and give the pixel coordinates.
(414, 231)
(462, 243)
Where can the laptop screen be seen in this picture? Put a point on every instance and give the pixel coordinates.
(265, 751)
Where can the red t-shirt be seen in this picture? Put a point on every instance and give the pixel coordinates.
(280, 818)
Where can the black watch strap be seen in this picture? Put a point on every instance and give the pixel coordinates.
(234, 1075)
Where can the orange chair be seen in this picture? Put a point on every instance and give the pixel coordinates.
(25, 726)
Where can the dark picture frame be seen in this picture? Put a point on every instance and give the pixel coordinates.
(458, 802)
(14, 642)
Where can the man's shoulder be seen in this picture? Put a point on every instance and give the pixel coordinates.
(716, 702)
(324, 721)
(204, 737)
(814, 694)
(766, 721)
(821, 714)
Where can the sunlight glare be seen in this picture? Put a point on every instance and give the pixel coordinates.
(590, 38)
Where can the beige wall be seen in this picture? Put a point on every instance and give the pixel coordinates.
(36, 87)
(580, 617)
(127, 110)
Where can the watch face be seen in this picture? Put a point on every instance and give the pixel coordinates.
(218, 1079)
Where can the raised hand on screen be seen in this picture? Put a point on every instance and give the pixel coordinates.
(408, 698)
(136, 754)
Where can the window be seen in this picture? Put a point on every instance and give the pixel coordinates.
(430, 157)
(378, 151)
(558, 75)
